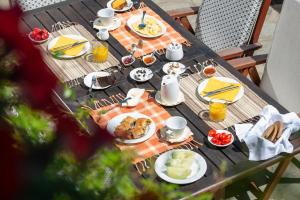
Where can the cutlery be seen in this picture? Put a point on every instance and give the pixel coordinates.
(68, 46)
(142, 24)
(125, 100)
(225, 89)
(93, 83)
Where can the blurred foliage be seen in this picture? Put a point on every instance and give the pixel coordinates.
(35, 127)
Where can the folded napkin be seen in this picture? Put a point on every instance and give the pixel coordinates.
(215, 84)
(134, 96)
(62, 40)
(261, 148)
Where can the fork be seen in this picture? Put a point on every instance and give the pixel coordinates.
(93, 83)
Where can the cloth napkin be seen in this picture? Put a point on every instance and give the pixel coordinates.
(261, 148)
(63, 40)
(215, 84)
(134, 97)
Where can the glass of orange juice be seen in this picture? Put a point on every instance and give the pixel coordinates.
(217, 110)
(100, 51)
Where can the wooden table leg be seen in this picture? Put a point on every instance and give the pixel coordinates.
(276, 178)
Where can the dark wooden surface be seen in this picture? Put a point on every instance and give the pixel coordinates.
(235, 156)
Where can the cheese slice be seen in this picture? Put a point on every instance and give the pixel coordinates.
(214, 84)
(63, 40)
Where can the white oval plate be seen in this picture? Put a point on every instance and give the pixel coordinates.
(179, 70)
(136, 18)
(159, 100)
(87, 45)
(219, 145)
(225, 79)
(128, 7)
(116, 24)
(184, 136)
(114, 122)
(149, 74)
(198, 168)
(88, 80)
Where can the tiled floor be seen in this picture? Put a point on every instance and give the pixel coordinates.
(288, 189)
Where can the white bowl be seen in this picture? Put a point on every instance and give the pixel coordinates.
(148, 64)
(128, 64)
(37, 41)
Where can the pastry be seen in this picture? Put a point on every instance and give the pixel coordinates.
(131, 128)
(118, 4)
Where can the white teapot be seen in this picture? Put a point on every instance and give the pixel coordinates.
(169, 89)
(174, 51)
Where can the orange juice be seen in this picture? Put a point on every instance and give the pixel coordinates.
(100, 52)
(217, 111)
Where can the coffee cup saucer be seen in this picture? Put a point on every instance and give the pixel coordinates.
(161, 102)
(116, 24)
(185, 135)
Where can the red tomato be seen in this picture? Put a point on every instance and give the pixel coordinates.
(44, 30)
(212, 133)
(215, 141)
(44, 36)
(38, 37)
(226, 141)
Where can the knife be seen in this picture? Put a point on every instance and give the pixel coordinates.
(68, 46)
(225, 89)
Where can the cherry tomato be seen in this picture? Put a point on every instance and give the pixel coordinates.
(44, 36)
(212, 133)
(215, 141)
(38, 37)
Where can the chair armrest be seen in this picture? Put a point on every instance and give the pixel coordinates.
(247, 62)
(236, 52)
(183, 12)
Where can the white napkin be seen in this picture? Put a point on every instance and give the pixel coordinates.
(261, 148)
(135, 95)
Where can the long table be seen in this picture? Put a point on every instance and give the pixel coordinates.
(235, 156)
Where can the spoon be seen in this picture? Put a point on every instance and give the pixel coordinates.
(93, 83)
(142, 24)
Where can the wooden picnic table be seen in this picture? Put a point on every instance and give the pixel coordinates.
(235, 156)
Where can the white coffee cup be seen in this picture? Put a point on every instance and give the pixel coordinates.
(175, 126)
(106, 16)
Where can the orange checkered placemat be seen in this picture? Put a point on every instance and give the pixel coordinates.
(148, 106)
(127, 37)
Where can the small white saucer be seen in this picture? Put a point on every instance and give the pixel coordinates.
(136, 74)
(116, 24)
(159, 100)
(185, 135)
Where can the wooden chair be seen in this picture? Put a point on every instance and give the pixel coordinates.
(33, 4)
(219, 24)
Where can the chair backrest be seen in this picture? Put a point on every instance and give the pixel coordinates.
(33, 4)
(281, 78)
(224, 24)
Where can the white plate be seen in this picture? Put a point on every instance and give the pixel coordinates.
(87, 45)
(116, 24)
(149, 74)
(198, 168)
(128, 7)
(159, 100)
(202, 85)
(181, 69)
(114, 122)
(137, 18)
(88, 80)
(185, 135)
(219, 145)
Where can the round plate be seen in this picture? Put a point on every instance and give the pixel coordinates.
(128, 7)
(88, 80)
(229, 80)
(137, 18)
(159, 100)
(185, 135)
(176, 71)
(198, 168)
(116, 24)
(149, 74)
(220, 145)
(114, 122)
(87, 45)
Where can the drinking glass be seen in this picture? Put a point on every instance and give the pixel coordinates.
(217, 110)
(100, 52)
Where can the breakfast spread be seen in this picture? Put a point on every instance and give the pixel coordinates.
(119, 4)
(179, 164)
(152, 27)
(132, 128)
(273, 132)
